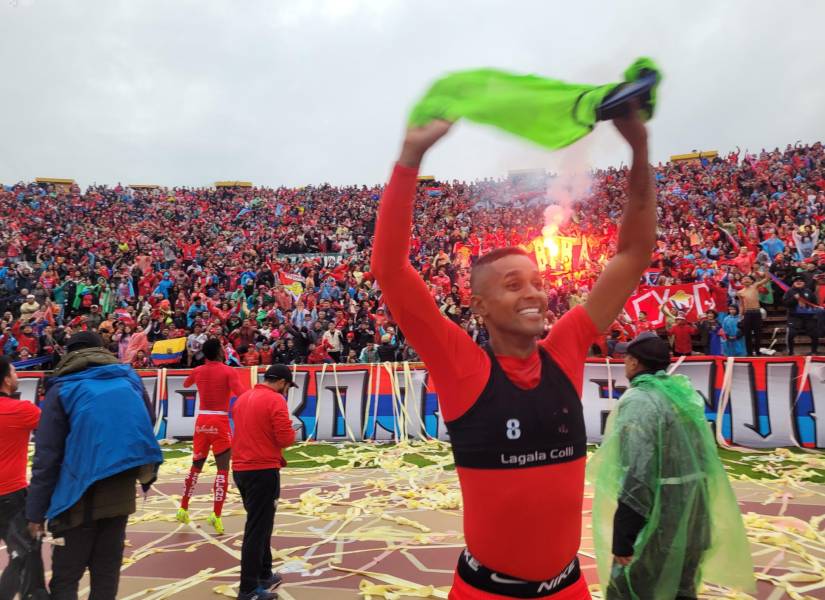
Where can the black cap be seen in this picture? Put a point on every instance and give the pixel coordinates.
(649, 348)
(84, 339)
(275, 372)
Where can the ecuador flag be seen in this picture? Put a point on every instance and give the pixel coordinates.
(167, 352)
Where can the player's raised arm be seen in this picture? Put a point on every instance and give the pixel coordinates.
(391, 248)
(404, 291)
(637, 233)
(438, 341)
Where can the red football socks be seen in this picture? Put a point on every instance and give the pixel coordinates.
(189, 487)
(219, 492)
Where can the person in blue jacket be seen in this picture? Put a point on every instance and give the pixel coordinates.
(164, 285)
(733, 341)
(94, 442)
(773, 245)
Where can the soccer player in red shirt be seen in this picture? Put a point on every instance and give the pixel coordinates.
(513, 410)
(217, 383)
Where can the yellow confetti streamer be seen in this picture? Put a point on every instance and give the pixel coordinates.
(792, 549)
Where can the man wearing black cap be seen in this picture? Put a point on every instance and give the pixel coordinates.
(661, 490)
(647, 352)
(94, 442)
(800, 301)
(263, 428)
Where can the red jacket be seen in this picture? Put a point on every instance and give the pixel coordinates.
(251, 357)
(263, 428)
(681, 338)
(319, 355)
(266, 355)
(17, 419)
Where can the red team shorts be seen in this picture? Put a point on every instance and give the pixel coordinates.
(211, 432)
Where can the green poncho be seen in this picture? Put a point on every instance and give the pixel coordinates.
(550, 112)
(107, 298)
(83, 289)
(658, 457)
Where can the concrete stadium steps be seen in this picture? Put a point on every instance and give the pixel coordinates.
(778, 319)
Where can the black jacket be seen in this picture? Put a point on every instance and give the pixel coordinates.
(266, 278)
(361, 338)
(783, 271)
(791, 301)
(387, 352)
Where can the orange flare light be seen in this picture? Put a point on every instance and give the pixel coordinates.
(549, 234)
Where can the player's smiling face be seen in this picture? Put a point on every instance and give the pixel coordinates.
(512, 296)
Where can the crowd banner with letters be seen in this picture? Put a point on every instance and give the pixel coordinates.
(772, 401)
(693, 299)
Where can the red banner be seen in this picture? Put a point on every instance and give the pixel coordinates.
(692, 299)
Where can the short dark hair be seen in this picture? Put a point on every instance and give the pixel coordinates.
(492, 257)
(5, 367)
(211, 349)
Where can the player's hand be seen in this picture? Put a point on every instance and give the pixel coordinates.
(420, 139)
(35, 530)
(623, 560)
(632, 128)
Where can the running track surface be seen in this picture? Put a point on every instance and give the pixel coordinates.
(340, 530)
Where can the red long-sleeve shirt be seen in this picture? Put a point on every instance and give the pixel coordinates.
(17, 420)
(682, 342)
(216, 383)
(523, 522)
(263, 429)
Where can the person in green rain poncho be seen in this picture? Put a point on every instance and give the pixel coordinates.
(664, 514)
(85, 288)
(107, 297)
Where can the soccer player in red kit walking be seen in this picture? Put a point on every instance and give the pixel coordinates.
(513, 410)
(217, 383)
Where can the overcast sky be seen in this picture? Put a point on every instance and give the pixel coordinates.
(297, 92)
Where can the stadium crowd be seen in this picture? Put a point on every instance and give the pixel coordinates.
(282, 275)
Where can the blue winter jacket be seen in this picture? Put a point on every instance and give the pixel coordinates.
(94, 424)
